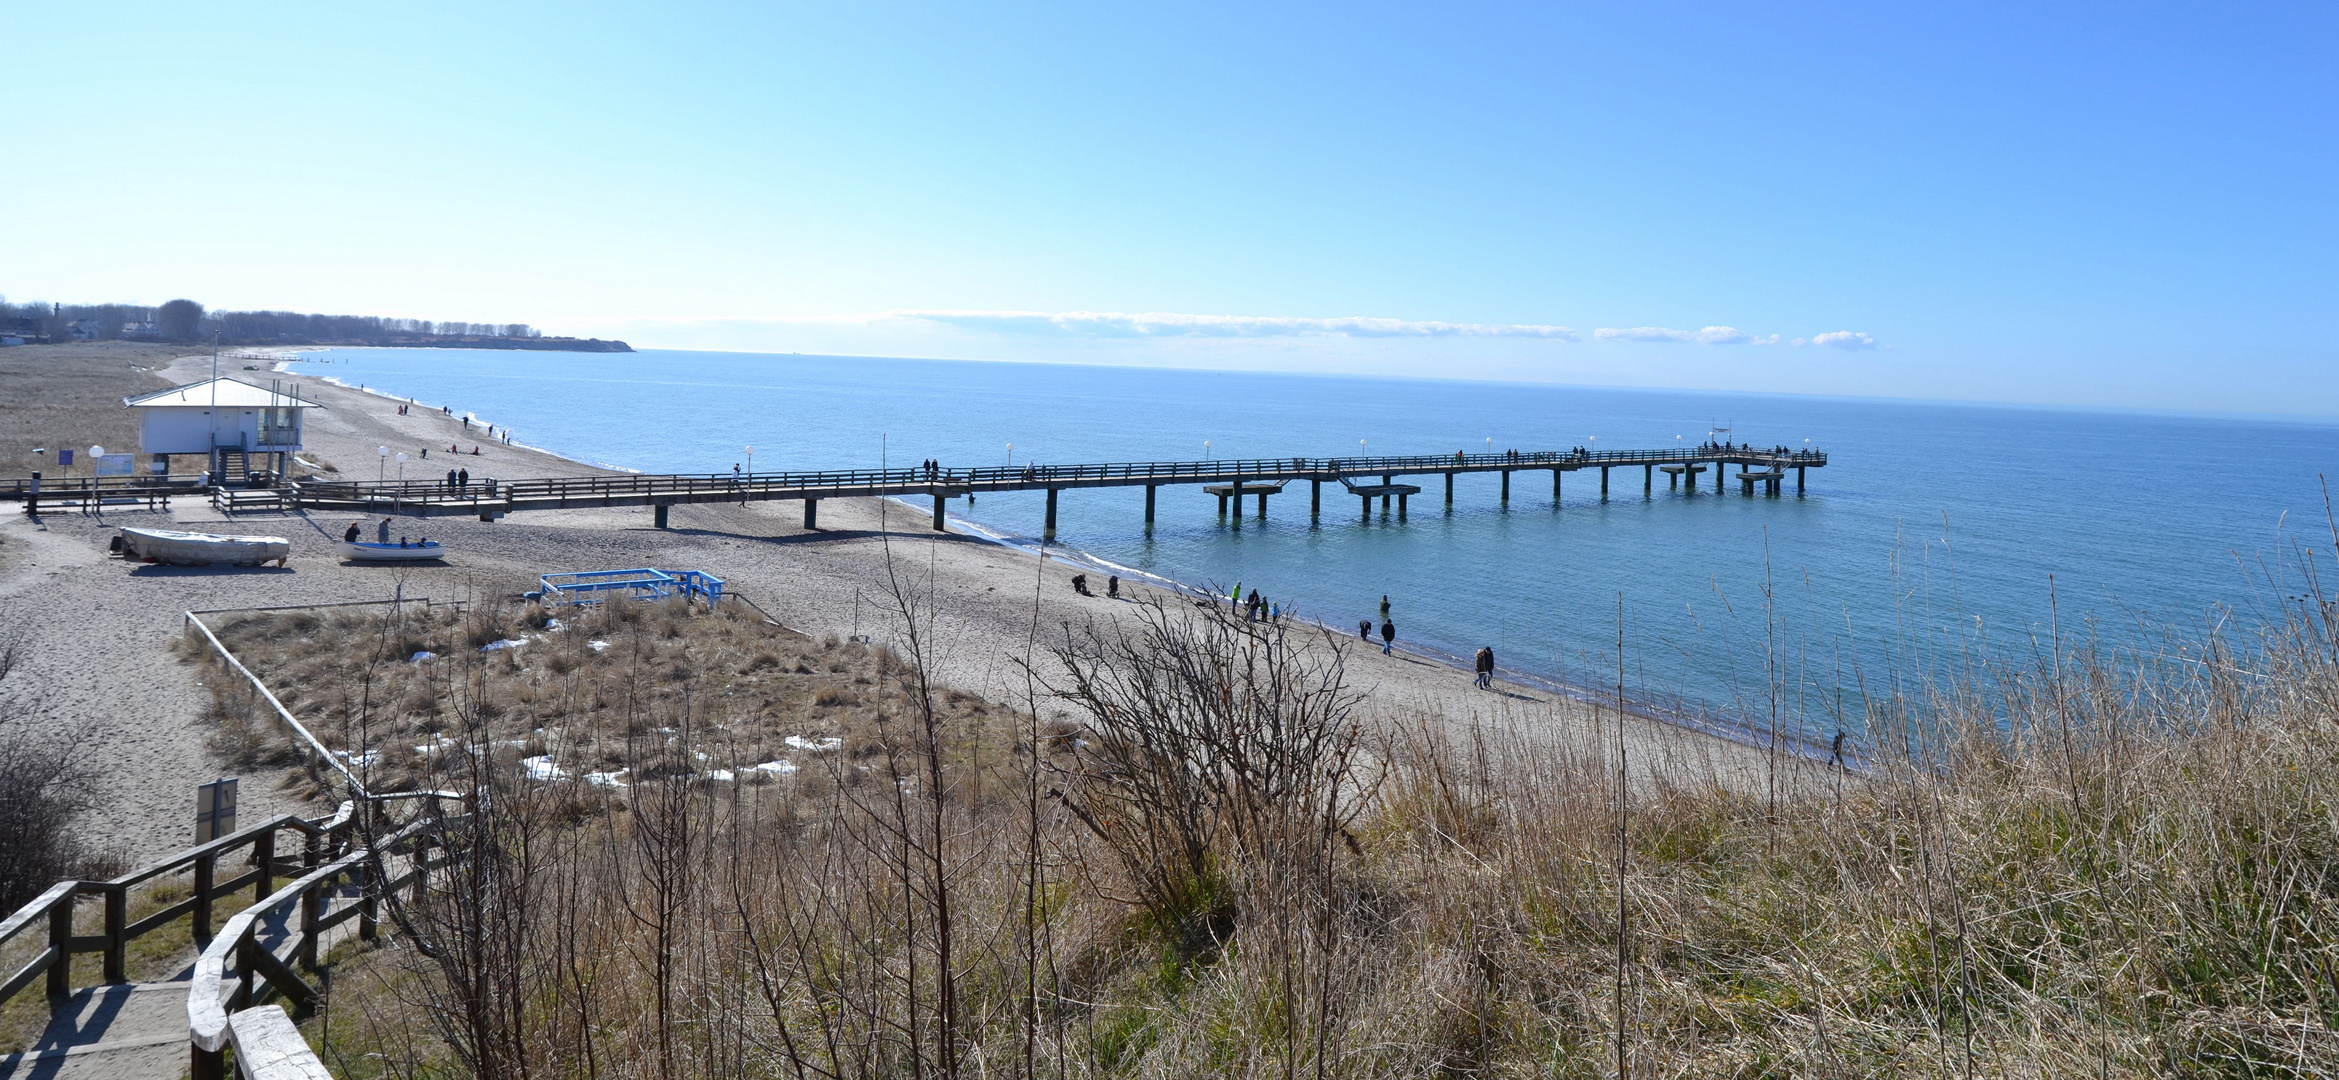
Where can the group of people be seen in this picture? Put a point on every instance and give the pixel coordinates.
(1112, 585)
(931, 467)
(382, 535)
(1254, 605)
(458, 479)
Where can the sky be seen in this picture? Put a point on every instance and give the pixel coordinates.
(2123, 205)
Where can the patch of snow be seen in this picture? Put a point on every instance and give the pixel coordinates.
(776, 768)
(365, 760)
(507, 643)
(422, 656)
(721, 775)
(596, 646)
(607, 779)
(541, 767)
(817, 746)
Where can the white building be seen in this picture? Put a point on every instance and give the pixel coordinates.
(225, 420)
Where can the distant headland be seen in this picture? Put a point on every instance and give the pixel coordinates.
(44, 323)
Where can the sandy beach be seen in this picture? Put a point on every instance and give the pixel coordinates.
(97, 625)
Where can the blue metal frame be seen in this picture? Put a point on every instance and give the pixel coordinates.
(643, 583)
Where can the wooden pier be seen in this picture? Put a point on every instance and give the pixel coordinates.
(1365, 478)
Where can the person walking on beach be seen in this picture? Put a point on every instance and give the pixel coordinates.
(1364, 629)
(1485, 666)
(382, 532)
(1113, 586)
(1836, 759)
(1235, 601)
(1388, 636)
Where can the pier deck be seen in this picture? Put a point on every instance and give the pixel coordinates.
(490, 498)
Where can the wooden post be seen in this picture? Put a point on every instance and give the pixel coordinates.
(61, 940)
(1400, 506)
(1798, 479)
(1648, 480)
(659, 513)
(1386, 480)
(368, 904)
(1150, 491)
(1368, 508)
(812, 513)
(203, 871)
(311, 911)
(938, 525)
(1555, 487)
(1506, 487)
(1262, 506)
(117, 917)
(264, 857)
(1051, 511)
(1449, 489)
(1222, 506)
(1235, 495)
(1315, 499)
(206, 1064)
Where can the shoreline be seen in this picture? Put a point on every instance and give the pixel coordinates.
(1706, 722)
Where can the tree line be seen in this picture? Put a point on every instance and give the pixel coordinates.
(188, 321)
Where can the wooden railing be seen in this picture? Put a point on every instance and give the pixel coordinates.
(311, 905)
(54, 909)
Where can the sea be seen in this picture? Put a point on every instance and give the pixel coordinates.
(1940, 537)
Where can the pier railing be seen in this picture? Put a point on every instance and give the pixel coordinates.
(1012, 477)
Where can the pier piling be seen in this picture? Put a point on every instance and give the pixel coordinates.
(1449, 490)
(1150, 491)
(658, 514)
(1506, 487)
(938, 524)
(812, 513)
(1400, 506)
(1603, 483)
(1648, 480)
(1051, 527)
(1315, 499)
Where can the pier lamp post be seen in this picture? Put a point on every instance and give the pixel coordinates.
(1205, 449)
(1010, 463)
(401, 466)
(751, 461)
(381, 463)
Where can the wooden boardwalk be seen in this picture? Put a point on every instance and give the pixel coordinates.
(1365, 478)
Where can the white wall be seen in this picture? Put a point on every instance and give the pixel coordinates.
(187, 430)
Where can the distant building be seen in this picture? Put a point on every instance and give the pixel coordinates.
(87, 329)
(141, 330)
(21, 331)
(226, 420)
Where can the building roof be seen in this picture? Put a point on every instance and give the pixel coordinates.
(233, 394)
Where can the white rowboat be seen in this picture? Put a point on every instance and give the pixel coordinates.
(205, 549)
(428, 549)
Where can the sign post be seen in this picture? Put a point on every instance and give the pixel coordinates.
(215, 809)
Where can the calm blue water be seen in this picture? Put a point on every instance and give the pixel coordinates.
(1936, 525)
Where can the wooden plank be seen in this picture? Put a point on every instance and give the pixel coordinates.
(38, 909)
(158, 919)
(269, 1047)
(26, 974)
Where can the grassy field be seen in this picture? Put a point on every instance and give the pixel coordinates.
(2091, 864)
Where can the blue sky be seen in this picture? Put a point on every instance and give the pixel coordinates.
(2123, 205)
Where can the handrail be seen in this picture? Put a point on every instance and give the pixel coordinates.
(492, 490)
(208, 1009)
(56, 903)
(322, 753)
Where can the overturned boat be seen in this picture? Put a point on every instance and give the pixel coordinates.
(204, 549)
(356, 551)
